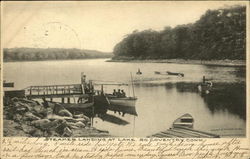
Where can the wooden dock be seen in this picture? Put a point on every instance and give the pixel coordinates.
(184, 132)
(55, 91)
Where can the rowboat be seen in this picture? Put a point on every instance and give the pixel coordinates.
(175, 73)
(185, 120)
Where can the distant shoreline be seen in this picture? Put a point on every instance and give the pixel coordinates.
(235, 63)
(54, 60)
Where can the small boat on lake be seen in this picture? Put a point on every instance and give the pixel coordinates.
(185, 120)
(156, 72)
(205, 87)
(175, 73)
(138, 72)
(169, 73)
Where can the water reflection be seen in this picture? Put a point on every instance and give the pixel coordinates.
(161, 98)
(229, 97)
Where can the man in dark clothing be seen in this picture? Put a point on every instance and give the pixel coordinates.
(123, 94)
(114, 92)
(119, 93)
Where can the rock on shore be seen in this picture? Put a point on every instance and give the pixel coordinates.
(28, 118)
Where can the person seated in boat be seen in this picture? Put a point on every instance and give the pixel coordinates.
(123, 94)
(119, 93)
(139, 72)
(114, 92)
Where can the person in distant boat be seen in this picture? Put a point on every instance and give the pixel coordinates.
(139, 72)
(123, 94)
(114, 92)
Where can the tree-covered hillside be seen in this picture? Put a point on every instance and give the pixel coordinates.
(218, 34)
(37, 54)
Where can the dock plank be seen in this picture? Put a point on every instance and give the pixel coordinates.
(183, 132)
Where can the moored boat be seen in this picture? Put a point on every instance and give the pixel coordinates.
(126, 105)
(175, 73)
(185, 120)
(122, 101)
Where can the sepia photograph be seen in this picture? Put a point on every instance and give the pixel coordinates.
(112, 69)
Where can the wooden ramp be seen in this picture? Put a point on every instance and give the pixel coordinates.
(183, 132)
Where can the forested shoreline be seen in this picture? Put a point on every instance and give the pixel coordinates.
(218, 35)
(42, 54)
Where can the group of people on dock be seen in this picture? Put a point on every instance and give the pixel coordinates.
(119, 93)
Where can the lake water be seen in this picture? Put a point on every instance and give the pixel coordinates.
(161, 98)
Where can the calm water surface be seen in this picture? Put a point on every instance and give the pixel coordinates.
(161, 98)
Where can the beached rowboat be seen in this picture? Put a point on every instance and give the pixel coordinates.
(185, 120)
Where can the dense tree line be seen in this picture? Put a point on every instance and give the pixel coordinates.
(218, 34)
(37, 54)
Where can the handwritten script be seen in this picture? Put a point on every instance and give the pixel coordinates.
(123, 148)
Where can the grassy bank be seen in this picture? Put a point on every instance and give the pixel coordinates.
(183, 61)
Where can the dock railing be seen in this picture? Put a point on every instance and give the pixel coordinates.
(70, 89)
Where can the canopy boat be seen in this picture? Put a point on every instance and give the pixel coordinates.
(185, 120)
(175, 73)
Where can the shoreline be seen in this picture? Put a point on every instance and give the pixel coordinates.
(233, 63)
(29, 118)
(55, 60)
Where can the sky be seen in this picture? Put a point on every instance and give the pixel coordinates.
(96, 25)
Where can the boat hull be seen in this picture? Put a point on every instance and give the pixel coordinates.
(124, 105)
(185, 120)
(129, 101)
(175, 74)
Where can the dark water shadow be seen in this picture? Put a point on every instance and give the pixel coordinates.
(229, 97)
(112, 119)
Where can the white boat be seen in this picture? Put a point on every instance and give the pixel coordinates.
(122, 101)
(122, 104)
(119, 102)
(185, 120)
